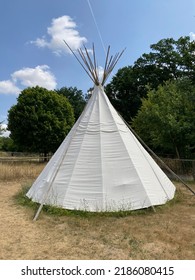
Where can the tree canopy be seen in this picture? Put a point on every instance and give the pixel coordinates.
(7, 144)
(40, 120)
(1, 128)
(168, 59)
(124, 93)
(75, 97)
(166, 119)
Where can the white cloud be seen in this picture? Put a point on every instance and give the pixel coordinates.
(5, 132)
(29, 77)
(4, 126)
(192, 36)
(100, 72)
(8, 87)
(39, 75)
(62, 28)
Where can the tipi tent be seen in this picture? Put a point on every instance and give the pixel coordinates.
(101, 166)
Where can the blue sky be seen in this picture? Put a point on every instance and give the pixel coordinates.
(32, 32)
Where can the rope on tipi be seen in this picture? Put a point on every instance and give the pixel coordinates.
(157, 157)
(98, 30)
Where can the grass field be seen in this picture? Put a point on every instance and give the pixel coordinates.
(166, 234)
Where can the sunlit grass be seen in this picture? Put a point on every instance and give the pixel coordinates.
(17, 171)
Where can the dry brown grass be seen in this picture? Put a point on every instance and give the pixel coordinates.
(166, 234)
(17, 171)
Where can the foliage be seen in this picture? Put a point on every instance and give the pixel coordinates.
(75, 97)
(167, 118)
(40, 120)
(169, 59)
(123, 93)
(7, 144)
(1, 128)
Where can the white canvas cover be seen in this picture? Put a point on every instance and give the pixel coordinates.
(101, 166)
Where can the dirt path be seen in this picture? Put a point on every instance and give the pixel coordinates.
(48, 238)
(167, 234)
(19, 236)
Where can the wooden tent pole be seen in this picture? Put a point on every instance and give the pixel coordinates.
(155, 155)
(90, 69)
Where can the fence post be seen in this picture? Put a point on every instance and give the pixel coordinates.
(193, 169)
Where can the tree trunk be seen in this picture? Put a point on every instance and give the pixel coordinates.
(193, 169)
(45, 158)
(177, 152)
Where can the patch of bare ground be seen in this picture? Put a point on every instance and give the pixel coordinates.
(166, 234)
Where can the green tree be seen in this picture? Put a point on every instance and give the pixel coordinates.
(7, 144)
(124, 94)
(166, 119)
(1, 143)
(75, 97)
(1, 128)
(168, 59)
(40, 120)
